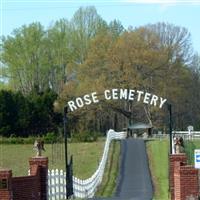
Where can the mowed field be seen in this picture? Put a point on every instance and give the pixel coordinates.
(86, 157)
(158, 161)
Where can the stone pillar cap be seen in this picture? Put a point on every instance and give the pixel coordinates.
(5, 170)
(39, 157)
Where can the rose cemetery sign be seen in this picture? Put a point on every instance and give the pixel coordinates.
(117, 94)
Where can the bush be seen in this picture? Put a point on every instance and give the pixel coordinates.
(12, 140)
(85, 136)
(23, 115)
(29, 140)
(50, 138)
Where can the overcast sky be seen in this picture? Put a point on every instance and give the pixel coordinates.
(15, 13)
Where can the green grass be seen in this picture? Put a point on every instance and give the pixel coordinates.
(189, 148)
(158, 161)
(108, 186)
(86, 157)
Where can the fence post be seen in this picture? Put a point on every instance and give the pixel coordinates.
(70, 178)
(170, 127)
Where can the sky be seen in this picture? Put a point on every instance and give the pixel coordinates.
(185, 13)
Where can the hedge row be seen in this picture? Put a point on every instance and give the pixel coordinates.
(50, 138)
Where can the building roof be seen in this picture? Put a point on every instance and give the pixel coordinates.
(139, 125)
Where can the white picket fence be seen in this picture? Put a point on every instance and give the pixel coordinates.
(56, 184)
(82, 188)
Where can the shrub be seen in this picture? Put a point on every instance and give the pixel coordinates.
(12, 140)
(85, 136)
(23, 115)
(50, 138)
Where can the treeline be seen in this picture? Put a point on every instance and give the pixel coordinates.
(28, 115)
(86, 54)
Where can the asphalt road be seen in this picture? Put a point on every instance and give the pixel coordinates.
(134, 181)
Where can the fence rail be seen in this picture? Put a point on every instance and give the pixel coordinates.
(82, 188)
(187, 135)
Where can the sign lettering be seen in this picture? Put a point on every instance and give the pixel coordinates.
(117, 94)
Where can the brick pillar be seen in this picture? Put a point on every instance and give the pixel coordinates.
(189, 182)
(6, 184)
(172, 159)
(177, 181)
(40, 165)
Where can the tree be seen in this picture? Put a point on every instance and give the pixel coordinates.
(59, 53)
(43, 118)
(86, 23)
(116, 28)
(35, 58)
(30, 115)
(14, 113)
(176, 40)
(23, 56)
(193, 106)
(135, 59)
(86, 54)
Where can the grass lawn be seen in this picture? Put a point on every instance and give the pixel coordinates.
(158, 161)
(108, 186)
(86, 157)
(190, 146)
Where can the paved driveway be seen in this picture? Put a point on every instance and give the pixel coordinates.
(134, 181)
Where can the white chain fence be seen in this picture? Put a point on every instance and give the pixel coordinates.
(82, 188)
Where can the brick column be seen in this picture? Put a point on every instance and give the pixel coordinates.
(189, 182)
(172, 159)
(39, 165)
(177, 181)
(6, 184)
